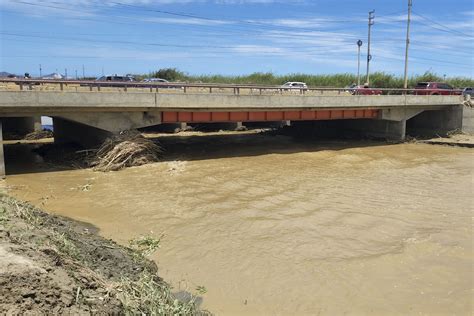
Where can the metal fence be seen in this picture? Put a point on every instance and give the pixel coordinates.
(181, 87)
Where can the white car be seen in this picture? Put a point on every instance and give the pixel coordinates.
(155, 80)
(294, 85)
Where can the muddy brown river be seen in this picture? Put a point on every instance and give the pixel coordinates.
(275, 226)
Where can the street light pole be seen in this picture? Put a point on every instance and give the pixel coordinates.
(369, 57)
(359, 44)
(405, 83)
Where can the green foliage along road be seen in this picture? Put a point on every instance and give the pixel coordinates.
(378, 79)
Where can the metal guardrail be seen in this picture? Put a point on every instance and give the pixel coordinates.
(210, 87)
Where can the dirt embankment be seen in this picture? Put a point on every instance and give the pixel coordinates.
(52, 265)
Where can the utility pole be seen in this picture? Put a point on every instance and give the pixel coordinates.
(359, 44)
(41, 71)
(76, 73)
(65, 73)
(83, 72)
(405, 84)
(369, 57)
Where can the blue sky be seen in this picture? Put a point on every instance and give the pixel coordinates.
(233, 36)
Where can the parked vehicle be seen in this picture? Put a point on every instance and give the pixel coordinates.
(294, 85)
(157, 80)
(116, 78)
(112, 80)
(435, 88)
(363, 90)
(162, 83)
(468, 91)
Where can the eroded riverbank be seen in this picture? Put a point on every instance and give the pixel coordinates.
(272, 225)
(54, 265)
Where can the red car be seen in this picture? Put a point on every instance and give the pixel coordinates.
(364, 90)
(435, 88)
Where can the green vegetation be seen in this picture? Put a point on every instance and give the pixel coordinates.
(145, 245)
(149, 295)
(378, 79)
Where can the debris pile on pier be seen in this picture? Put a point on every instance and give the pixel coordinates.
(38, 135)
(126, 149)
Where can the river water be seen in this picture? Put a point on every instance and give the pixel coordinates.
(274, 226)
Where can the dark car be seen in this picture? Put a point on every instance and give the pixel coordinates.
(468, 91)
(435, 88)
(363, 90)
(116, 78)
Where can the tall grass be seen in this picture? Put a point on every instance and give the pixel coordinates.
(377, 79)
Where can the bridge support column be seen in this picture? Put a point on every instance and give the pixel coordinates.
(468, 120)
(66, 131)
(390, 130)
(181, 127)
(2, 155)
(21, 125)
(436, 122)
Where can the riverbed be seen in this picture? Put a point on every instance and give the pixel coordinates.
(272, 225)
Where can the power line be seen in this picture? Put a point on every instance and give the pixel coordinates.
(220, 23)
(152, 43)
(446, 28)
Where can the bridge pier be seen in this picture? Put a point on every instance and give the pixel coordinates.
(2, 156)
(436, 122)
(390, 130)
(21, 125)
(66, 131)
(468, 120)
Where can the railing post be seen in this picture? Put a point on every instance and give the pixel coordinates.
(90, 88)
(260, 91)
(210, 89)
(184, 89)
(125, 88)
(61, 86)
(21, 86)
(98, 88)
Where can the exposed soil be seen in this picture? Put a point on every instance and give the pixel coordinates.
(53, 265)
(460, 139)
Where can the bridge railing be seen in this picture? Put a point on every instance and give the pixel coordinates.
(182, 87)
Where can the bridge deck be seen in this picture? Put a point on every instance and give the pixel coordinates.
(53, 102)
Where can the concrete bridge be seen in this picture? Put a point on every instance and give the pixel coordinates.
(87, 117)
